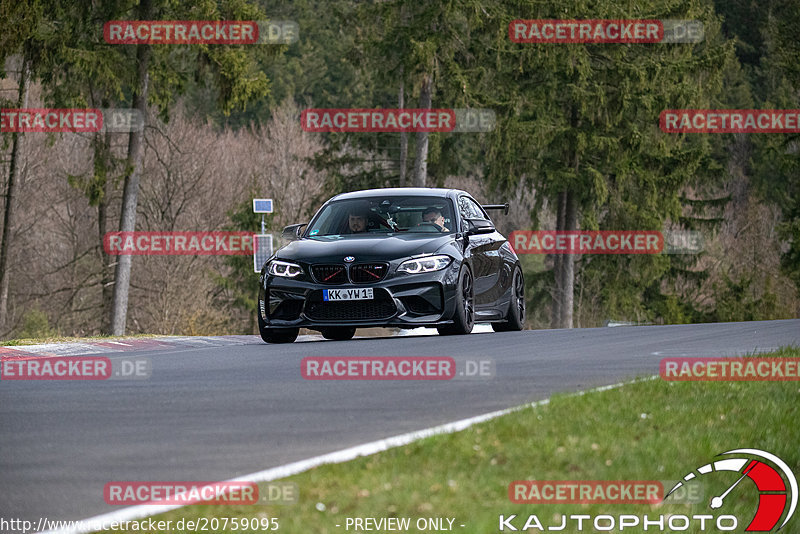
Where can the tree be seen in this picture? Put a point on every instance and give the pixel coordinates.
(584, 119)
(127, 223)
(235, 77)
(76, 67)
(10, 197)
(777, 163)
(20, 21)
(416, 46)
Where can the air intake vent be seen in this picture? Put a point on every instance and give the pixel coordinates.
(364, 273)
(329, 274)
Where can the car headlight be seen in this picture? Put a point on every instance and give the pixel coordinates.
(425, 264)
(284, 269)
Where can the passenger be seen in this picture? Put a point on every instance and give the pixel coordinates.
(434, 215)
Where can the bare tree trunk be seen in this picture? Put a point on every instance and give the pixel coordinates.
(421, 159)
(14, 176)
(127, 223)
(403, 135)
(568, 266)
(570, 224)
(102, 155)
(558, 262)
(567, 220)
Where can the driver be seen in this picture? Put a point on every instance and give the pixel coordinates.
(434, 215)
(357, 221)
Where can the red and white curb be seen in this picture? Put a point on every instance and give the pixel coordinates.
(110, 346)
(122, 345)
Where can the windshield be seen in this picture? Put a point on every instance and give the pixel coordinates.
(384, 215)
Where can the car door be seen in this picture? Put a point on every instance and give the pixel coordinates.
(483, 250)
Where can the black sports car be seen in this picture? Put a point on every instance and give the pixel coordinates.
(404, 257)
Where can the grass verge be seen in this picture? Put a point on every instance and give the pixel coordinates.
(649, 430)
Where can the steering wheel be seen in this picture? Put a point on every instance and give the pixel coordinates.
(436, 227)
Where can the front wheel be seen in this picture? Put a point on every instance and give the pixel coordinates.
(464, 316)
(276, 335)
(515, 318)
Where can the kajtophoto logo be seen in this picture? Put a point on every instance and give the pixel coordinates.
(770, 483)
(775, 484)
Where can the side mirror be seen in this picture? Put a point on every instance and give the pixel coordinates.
(292, 232)
(479, 226)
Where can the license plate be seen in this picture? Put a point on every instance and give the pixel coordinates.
(358, 293)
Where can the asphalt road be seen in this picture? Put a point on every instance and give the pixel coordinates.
(218, 413)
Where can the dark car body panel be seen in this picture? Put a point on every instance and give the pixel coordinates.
(401, 299)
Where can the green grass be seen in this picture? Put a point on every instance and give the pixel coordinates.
(648, 430)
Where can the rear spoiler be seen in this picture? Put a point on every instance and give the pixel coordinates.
(503, 207)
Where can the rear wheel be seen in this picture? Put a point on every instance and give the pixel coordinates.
(340, 333)
(464, 316)
(276, 335)
(515, 318)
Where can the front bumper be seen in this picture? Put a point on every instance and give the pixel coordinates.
(403, 300)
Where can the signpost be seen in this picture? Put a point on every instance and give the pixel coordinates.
(262, 250)
(262, 205)
(262, 243)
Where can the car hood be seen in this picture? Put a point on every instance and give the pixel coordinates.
(363, 248)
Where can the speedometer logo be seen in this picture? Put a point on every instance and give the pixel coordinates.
(776, 487)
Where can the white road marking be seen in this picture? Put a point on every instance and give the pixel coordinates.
(713, 353)
(344, 455)
(481, 328)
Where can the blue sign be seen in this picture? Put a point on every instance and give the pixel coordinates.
(262, 205)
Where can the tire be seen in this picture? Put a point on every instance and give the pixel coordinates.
(515, 317)
(464, 315)
(341, 333)
(276, 335)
